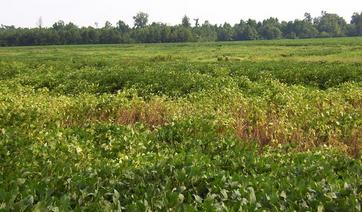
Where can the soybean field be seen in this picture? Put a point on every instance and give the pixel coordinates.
(220, 126)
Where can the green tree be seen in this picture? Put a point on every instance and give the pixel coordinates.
(186, 21)
(270, 29)
(207, 32)
(89, 35)
(225, 32)
(122, 27)
(308, 17)
(107, 25)
(356, 23)
(251, 33)
(140, 20)
(71, 34)
(305, 29)
(239, 30)
(271, 32)
(59, 25)
(197, 22)
(331, 25)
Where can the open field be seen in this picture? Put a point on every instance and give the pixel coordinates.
(274, 125)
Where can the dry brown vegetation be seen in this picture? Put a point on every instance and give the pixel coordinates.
(274, 130)
(151, 114)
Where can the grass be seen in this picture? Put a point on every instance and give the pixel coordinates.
(260, 125)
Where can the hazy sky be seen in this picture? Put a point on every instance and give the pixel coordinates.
(25, 13)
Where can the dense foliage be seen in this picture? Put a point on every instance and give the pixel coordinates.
(260, 125)
(326, 25)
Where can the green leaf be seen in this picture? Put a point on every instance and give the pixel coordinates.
(252, 197)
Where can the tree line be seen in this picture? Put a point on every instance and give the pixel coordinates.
(325, 25)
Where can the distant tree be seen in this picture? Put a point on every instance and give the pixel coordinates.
(207, 32)
(107, 25)
(252, 23)
(153, 33)
(206, 23)
(326, 25)
(272, 21)
(71, 34)
(239, 30)
(59, 25)
(251, 33)
(304, 29)
(166, 34)
(109, 34)
(270, 29)
(356, 23)
(89, 35)
(246, 30)
(271, 32)
(59, 28)
(308, 17)
(140, 20)
(186, 21)
(5, 27)
(331, 25)
(181, 34)
(299, 28)
(122, 27)
(225, 32)
(197, 22)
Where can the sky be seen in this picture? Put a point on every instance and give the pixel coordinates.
(26, 13)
